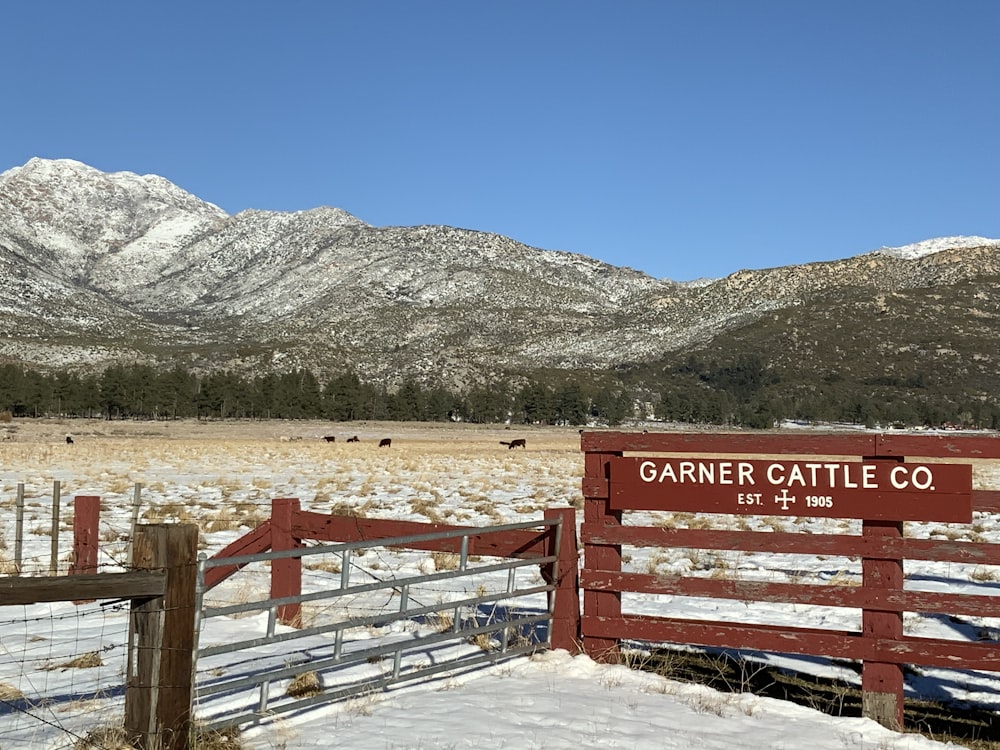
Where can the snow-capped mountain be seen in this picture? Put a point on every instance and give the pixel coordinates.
(940, 244)
(101, 267)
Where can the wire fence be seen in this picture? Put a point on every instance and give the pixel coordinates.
(62, 672)
(63, 666)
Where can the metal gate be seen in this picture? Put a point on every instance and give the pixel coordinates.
(374, 614)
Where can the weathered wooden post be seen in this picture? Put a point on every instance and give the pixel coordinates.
(598, 514)
(136, 504)
(19, 529)
(54, 549)
(161, 640)
(882, 682)
(565, 574)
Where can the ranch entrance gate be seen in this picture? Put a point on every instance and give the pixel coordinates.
(881, 480)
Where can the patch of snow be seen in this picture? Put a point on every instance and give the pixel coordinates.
(937, 245)
(697, 283)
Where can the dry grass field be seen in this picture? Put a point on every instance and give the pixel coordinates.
(223, 475)
(55, 430)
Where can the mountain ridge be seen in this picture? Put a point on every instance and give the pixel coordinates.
(102, 267)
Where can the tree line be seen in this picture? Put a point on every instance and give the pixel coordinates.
(138, 391)
(746, 392)
(743, 392)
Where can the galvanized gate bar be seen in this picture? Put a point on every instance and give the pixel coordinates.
(335, 660)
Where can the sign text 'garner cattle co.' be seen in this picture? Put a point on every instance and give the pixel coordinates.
(782, 474)
(839, 489)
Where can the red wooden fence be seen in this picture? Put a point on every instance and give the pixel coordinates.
(872, 477)
(289, 525)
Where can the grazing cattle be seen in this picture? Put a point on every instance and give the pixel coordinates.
(517, 443)
(384, 443)
(353, 439)
(69, 440)
(330, 438)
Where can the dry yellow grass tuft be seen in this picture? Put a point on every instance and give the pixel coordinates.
(305, 685)
(89, 660)
(326, 566)
(104, 738)
(9, 692)
(446, 560)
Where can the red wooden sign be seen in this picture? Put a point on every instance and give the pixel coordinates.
(874, 490)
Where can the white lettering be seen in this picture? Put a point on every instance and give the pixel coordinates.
(795, 476)
(847, 478)
(706, 473)
(922, 478)
(726, 473)
(668, 473)
(820, 476)
(774, 474)
(813, 468)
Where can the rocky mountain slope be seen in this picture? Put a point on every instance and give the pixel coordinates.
(99, 267)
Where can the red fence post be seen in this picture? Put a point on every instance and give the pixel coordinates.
(86, 520)
(286, 572)
(566, 610)
(597, 513)
(882, 682)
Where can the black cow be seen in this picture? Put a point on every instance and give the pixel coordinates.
(384, 443)
(330, 438)
(516, 443)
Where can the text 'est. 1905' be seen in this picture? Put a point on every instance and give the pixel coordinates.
(884, 490)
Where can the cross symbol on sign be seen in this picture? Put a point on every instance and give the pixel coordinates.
(784, 498)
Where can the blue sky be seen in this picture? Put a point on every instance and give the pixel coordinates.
(684, 139)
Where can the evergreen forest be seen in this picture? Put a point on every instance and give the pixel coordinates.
(743, 392)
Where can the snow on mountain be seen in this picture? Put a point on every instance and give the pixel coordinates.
(937, 245)
(156, 271)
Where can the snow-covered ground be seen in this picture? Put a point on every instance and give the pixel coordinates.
(223, 478)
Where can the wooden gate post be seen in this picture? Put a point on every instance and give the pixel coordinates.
(566, 610)
(597, 513)
(882, 683)
(286, 572)
(161, 640)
